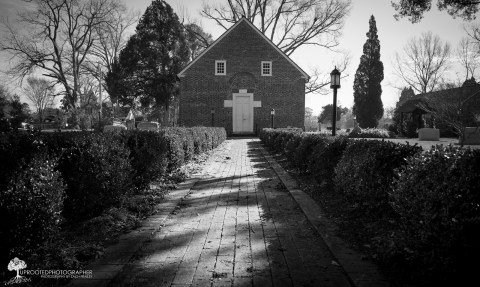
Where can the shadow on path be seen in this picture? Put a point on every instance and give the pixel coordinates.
(238, 226)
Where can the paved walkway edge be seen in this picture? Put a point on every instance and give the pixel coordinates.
(118, 255)
(362, 273)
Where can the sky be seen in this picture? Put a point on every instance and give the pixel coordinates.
(393, 35)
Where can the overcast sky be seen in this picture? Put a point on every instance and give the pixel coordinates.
(393, 35)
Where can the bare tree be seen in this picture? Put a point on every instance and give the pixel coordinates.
(112, 37)
(56, 38)
(198, 40)
(288, 23)
(41, 93)
(468, 54)
(320, 81)
(423, 63)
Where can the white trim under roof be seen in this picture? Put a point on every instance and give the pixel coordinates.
(305, 75)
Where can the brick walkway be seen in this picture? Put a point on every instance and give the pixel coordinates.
(237, 227)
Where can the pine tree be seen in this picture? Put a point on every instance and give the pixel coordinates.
(367, 90)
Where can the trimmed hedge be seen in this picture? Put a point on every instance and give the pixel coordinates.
(430, 198)
(90, 174)
(183, 143)
(371, 133)
(97, 171)
(16, 149)
(147, 156)
(366, 171)
(31, 206)
(325, 158)
(437, 195)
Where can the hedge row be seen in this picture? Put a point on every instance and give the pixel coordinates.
(434, 195)
(371, 133)
(46, 179)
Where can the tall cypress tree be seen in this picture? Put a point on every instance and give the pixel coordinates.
(367, 91)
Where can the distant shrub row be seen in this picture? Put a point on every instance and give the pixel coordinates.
(434, 194)
(47, 179)
(360, 133)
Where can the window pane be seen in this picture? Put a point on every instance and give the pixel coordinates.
(266, 68)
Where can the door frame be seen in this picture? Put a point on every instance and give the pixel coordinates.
(234, 113)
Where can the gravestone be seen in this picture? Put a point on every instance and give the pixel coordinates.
(428, 134)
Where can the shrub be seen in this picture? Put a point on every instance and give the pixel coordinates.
(268, 136)
(366, 171)
(282, 139)
(16, 149)
(30, 206)
(175, 152)
(371, 133)
(329, 132)
(182, 143)
(220, 136)
(97, 171)
(437, 196)
(325, 158)
(147, 156)
(292, 146)
(303, 152)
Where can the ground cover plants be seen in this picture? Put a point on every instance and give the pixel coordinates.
(413, 211)
(68, 194)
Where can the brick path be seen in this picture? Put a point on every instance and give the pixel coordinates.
(237, 227)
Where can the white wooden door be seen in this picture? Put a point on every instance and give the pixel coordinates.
(243, 113)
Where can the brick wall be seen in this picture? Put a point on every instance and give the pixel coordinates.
(243, 49)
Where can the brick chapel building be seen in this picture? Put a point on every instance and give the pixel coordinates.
(239, 79)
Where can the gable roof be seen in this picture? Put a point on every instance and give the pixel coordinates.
(182, 73)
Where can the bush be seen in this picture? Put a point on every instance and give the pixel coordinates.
(268, 136)
(437, 196)
(280, 142)
(147, 156)
(366, 171)
(96, 169)
(291, 146)
(31, 207)
(303, 152)
(371, 133)
(182, 143)
(16, 149)
(325, 158)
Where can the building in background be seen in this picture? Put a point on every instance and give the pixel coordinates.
(237, 81)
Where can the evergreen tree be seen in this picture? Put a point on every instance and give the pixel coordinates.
(405, 95)
(367, 91)
(327, 113)
(147, 66)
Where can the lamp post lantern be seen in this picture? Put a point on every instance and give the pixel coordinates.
(212, 111)
(272, 113)
(334, 84)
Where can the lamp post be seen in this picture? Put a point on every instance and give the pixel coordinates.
(272, 113)
(334, 84)
(212, 111)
